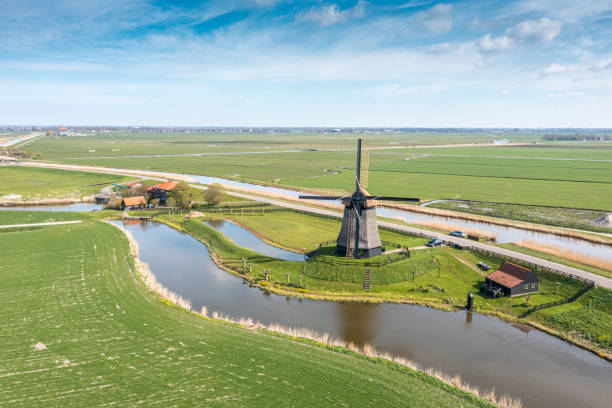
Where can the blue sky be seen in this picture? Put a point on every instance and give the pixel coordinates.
(526, 63)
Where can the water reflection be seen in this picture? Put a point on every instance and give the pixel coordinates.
(468, 317)
(358, 322)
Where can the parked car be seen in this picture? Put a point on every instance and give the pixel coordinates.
(484, 266)
(434, 242)
(459, 234)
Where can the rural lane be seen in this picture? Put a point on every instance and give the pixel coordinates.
(599, 280)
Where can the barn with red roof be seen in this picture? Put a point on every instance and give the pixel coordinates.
(512, 280)
(160, 191)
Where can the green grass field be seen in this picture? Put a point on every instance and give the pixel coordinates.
(79, 328)
(554, 174)
(131, 143)
(38, 184)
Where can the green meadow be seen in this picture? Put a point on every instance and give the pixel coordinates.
(127, 143)
(577, 175)
(33, 183)
(79, 328)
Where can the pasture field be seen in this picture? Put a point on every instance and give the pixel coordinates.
(543, 175)
(133, 143)
(79, 328)
(442, 276)
(10, 217)
(30, 183)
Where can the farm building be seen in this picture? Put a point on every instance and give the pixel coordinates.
(160, 191)
(512, 280)
(105, 194)
(133, 202)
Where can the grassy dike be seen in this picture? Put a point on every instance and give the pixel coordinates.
(81, 328)
(444, 276)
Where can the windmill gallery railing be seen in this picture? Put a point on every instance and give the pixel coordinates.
(334, 260)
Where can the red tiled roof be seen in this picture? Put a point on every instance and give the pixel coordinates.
(509, 275)
(515, 270)
(168, 186)
(131, 201)
(133, 183)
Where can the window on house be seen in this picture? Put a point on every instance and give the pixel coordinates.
(533, 286)
(527, 286)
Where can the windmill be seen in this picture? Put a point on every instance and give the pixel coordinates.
(359, 237)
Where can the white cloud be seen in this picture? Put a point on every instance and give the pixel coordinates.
(570, 94)
(560, 69)
(599, 65)
(332, 14)
(413, 4)
(490, 44)
(400, 90)
(566, 10)
(443, 47)
(542, 30)
(603, 64)
(438, 19)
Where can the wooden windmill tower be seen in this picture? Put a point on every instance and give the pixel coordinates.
(359, 237)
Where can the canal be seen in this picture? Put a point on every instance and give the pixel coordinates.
(538, 368)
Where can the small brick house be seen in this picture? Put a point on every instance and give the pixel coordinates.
(513, 280)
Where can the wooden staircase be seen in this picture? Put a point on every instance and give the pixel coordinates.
(366, 280)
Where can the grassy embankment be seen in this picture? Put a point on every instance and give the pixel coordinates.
(28, 184)
(558, 217)
(439, 277)
(81, 328)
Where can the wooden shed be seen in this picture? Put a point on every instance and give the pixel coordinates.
(133, 202)
(513, 280)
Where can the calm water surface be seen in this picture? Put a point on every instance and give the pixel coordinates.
(246, 239)
(540, 369)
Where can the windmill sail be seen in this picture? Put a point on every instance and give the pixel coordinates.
(359, 235)
(364, 164)
(322, 194)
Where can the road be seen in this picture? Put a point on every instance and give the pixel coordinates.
(599, 280)
(40, 224)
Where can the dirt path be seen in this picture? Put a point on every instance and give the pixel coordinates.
(474, 268)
